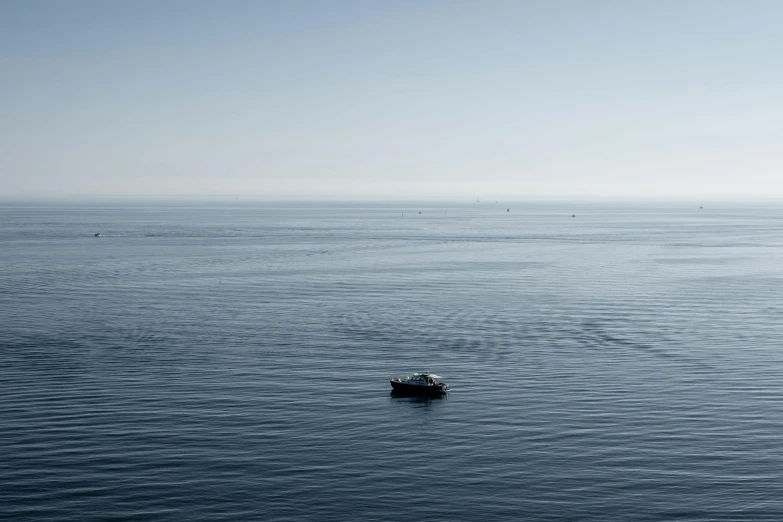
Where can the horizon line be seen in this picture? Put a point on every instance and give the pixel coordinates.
(381, 199)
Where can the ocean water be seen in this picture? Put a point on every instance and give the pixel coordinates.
(229, 360)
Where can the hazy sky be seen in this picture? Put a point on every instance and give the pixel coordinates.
(392, 99)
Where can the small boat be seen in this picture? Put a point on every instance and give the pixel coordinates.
(424, 383)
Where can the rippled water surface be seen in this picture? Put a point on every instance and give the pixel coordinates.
(229, 361)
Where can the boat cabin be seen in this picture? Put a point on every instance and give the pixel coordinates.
(427, 379)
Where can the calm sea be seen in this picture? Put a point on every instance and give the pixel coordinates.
(229, 361)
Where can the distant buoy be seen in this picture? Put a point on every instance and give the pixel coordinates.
(573, 215)
(419, 212)
(507, 210)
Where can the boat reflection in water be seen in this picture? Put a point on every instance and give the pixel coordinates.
(423, 384)
(417, 401)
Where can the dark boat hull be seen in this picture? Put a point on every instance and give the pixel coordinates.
(401, 388)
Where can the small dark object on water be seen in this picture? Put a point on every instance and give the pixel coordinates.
(573, 215)
(507, 210)
(424, 383)
(98, 234)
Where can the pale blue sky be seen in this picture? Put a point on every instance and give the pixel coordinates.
(394, 100)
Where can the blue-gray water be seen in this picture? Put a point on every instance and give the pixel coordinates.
(229, 361)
